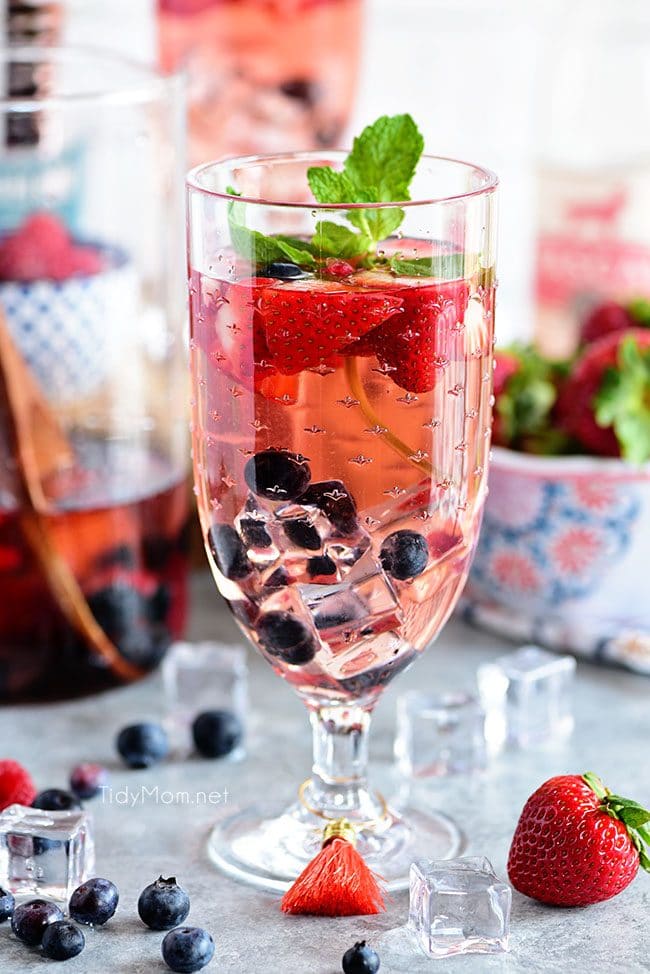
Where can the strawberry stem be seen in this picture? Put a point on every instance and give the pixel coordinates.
(634, 816)
(356, 387)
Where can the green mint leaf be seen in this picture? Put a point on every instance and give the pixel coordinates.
(329, 186)
(622, 401)
(259, 248)
(334, 240)
(444, 267)
(379, 169)
(377, 224)
(385, 156)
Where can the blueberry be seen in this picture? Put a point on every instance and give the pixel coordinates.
(283, 270)
(142, 745)
(163, 904)
(216, 733)
(94, 902)
(301, 90)
(158, 606)
(229, 552)
(321, 565)
(56, 800)
(87, 780)
(360, 959)
(7, 904)
(254, 533)
(302, 533)
(156, 552)
(187, 949)
(62, 940)
(277, 475)
(118, 608)
(279, 579)
(30, 919)
(332, 498)
(404, 554)
(283, 635)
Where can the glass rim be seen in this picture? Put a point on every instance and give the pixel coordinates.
(145, 82)
(193, 183)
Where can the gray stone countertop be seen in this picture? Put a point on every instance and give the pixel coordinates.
(252, 936)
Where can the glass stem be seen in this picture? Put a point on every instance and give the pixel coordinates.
(338, 786)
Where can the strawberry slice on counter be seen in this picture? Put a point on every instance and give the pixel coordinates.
(309, 322)
(576, 843)
(415, 345)
(604, 402)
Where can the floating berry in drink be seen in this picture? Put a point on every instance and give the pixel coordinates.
(404, 554)
(302, 533)
(277, 475)
(283, 635)
(229, 552)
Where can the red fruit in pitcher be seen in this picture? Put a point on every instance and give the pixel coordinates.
(605, 319)
(576, 843)
(309, 322)
(575, 410)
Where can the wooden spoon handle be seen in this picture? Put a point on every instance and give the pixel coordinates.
(40, 448)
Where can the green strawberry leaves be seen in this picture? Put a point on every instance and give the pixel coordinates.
(634, 816)
(525, 406)
(623, 401)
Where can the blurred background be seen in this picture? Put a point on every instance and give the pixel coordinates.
(553, 99)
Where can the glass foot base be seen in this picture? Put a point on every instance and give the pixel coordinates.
(268, 846)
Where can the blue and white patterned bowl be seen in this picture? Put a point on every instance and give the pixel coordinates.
(71, 333)
(563, 556)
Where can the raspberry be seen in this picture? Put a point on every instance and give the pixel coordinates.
(16, 785)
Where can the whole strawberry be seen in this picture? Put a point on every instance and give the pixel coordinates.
(576, 843)
(604, 402)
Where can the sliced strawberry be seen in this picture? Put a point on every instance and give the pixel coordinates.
(575, 409)
(416, 344)
(308, 322)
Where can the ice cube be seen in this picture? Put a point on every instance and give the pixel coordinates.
(45, 853)
(527, 697)
(459, 906)
(203, 676)
(362, 606)
(439, 734)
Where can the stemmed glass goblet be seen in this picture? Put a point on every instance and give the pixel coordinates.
(341, 430)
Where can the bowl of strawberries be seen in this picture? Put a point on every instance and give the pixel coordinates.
(563, 555)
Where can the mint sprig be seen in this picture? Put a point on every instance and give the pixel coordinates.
(634, 816)
(379, 169)
(259, 248)
(623, 401)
